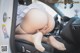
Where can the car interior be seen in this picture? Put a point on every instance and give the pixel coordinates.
(66, 31)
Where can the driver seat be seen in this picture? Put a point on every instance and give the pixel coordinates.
(23, 46)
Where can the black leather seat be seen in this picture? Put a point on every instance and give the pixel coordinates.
(23, 46)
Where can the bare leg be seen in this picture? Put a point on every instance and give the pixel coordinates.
(35, 39)
(56, 44)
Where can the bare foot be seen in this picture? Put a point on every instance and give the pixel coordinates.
(37, 38)
(56, 44)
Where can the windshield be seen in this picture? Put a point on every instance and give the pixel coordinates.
(70, 9)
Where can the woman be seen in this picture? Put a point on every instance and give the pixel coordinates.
(34, 24)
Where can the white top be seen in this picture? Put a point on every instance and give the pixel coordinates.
(23, 9)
